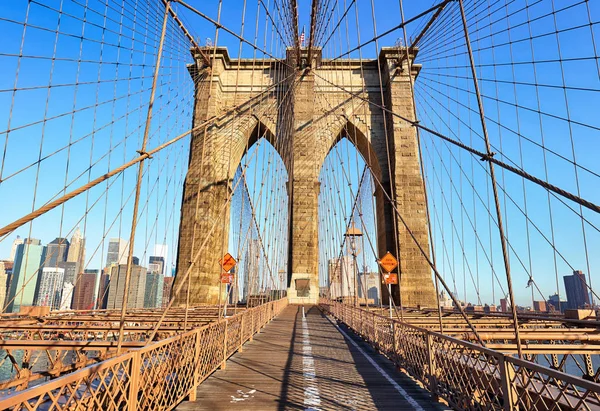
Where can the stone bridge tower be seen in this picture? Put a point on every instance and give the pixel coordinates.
(315, 111)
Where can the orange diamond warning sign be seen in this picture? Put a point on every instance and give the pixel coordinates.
(388, 262)
(227, 262)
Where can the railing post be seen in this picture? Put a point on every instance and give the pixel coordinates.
(134, 381)
(374, 330)
(394, 341)
(251, 314)
(242, 334)
(223, 364)
(192, 394)
(507, 374)
(432, 371)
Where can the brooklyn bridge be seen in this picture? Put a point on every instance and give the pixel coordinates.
(282, 204)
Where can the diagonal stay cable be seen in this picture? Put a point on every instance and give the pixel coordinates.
(483, 156)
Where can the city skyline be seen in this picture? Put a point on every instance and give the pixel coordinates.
(55, 274)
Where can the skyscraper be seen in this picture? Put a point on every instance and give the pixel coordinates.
(3, 283)
(154, 290)
(70, 268)
(341, 273)
(166, 294)
(116, 288)
(83, 295)
(50, 287)
(25, 274)
(76, 253)
(13, 251)
(102, 298)
(56, 252)
(156, 264)
(370, 282)
(117, 252)
(577, 292)
(66, 297)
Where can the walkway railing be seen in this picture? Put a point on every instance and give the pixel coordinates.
(468, 376)
(156, 377)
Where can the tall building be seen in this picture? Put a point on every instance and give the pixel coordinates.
(70, 268)
(370, 282)
(116, 288)
(578, 295)
(504, 305)
(446, 300)
(66, 297)
(76, 253)
(556, 304)
(156, 264)
(102, 298)
(8, 270)
(13, 251)
(342, 272)
(117, 252)
(25, 274)
(56, 252)
(50, 287)
(83, 295)
(252, 263)
(154, 290)
(167, 287)
(3, 283)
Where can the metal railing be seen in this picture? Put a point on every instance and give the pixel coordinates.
(465, 375)
(156, 377)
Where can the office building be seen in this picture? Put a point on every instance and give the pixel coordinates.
(117, 252)
(154, 290)
(3, 284)
(503, 305)
(13, 251)
(116, 288)
(66, 297)
(25, 274)
(342, 272)
(102, 299)
(50, 287)
(56, 252)
(556, 305)
(578, 295)
(70, 268)
(369, 281)
(156, 264)
(76, 253)
(83, 295)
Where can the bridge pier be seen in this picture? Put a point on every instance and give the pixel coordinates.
(312, 117)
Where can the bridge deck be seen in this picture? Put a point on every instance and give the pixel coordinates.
(297, 363)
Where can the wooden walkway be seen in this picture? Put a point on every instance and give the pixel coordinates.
(308, 363)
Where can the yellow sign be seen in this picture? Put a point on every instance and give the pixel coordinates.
(388, 262)
(227, 262)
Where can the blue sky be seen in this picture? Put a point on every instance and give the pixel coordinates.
(109, 117)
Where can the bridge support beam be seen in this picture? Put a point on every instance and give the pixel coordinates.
(408, 191)
(304, 218)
